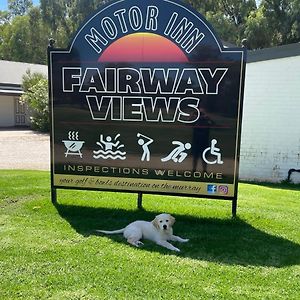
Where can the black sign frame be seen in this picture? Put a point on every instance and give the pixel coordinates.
(214, 73)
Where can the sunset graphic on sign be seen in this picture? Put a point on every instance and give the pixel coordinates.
(143, 47)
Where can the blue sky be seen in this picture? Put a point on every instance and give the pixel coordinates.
(3, 4)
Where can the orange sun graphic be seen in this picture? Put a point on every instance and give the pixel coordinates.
(143, 47)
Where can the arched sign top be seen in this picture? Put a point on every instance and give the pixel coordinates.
(150, 30)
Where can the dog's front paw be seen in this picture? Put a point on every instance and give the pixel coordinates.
(185, 240)
(176, 249)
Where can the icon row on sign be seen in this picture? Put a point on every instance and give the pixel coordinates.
(217, 189)
(109, 147)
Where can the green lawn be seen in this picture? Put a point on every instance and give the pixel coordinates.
(51, 252)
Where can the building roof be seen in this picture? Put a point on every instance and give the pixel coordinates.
(12, 72)
(273, 53)
(11, 75)
(10, 89)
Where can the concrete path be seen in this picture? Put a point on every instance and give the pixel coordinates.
(24, 149)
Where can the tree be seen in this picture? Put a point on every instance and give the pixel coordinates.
(55, 13)
(15, 37)
(274, 22)
(4, 17)
(38, 36)
(19, 7)
(284, 20)
(203, 6)
(25, 38)
(257, 30)
(35, 87)
(225, 29)
(65, 16)
(228, 17)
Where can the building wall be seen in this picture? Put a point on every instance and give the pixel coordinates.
(270, 141)
(7, 111)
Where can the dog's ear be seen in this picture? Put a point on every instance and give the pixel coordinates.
(172, 220)
(155, 223)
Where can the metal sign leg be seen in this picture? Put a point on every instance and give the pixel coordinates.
(234, 207)
(140, 200)
(53, 195)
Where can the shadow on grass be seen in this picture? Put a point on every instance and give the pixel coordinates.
(230, 241)
(282, 186)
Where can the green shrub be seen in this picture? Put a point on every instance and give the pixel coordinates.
(35, 87)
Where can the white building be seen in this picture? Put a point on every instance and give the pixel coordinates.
(12, 111)
(270, 142)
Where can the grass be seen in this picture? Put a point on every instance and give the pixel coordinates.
(51, 252)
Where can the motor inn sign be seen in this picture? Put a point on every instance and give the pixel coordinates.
(147, 99)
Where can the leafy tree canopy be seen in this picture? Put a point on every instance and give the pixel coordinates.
(19, 7)
(35, 87)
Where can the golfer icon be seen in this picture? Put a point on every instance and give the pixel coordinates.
(144, 142)
(178, 154)
(213, 150)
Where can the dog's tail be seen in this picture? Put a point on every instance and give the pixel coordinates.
(111, 232)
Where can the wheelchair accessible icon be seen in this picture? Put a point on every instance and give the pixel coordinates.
(212, 151)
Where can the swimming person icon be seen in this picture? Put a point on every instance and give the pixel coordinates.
(144, 142)
(110, 148)
(178, 154)
(213, 150)
(108, 142)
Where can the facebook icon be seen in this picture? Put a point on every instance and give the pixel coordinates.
(211, 188)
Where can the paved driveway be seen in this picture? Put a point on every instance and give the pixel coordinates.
(24, 149)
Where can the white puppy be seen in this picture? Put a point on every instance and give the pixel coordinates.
(159, 231)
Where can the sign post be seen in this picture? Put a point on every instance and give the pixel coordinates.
(146, 99)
